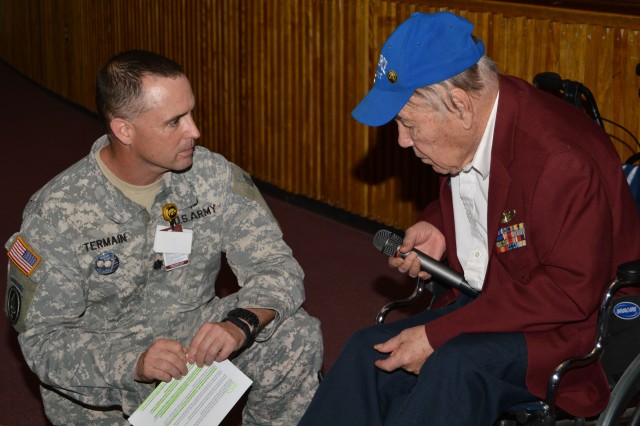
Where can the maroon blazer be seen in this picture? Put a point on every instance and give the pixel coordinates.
(558, 172)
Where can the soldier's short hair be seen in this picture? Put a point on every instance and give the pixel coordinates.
(119, 82)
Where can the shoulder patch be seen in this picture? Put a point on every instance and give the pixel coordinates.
(23, 257)
(18, 297)
(243, 185)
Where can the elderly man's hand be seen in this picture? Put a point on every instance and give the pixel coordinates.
(424, 237)
(408, 350)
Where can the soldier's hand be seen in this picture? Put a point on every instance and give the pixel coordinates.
(215, 342)
(164, 360)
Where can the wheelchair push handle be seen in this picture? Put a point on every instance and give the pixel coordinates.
(629, 272)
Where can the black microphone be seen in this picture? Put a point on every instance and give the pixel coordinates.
(389, 243)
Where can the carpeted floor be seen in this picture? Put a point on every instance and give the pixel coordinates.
(347, 280)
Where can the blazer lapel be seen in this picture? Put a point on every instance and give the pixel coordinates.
(501, 156)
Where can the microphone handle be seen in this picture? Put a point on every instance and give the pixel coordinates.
(443, 274)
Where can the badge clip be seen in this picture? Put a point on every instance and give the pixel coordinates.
(170, 213)
(174, 243)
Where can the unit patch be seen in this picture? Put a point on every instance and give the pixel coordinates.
(18, 297)
(14, 301)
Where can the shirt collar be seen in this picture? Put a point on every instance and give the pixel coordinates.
(481, 162)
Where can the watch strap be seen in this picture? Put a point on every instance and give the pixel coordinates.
(248, 316)
(249, 336)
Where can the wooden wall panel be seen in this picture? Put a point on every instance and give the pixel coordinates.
(276, 81)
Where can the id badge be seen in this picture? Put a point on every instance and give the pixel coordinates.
(174, 244)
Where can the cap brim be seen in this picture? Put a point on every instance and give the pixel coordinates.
(379, 107)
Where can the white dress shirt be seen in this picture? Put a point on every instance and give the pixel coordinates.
(470, 191)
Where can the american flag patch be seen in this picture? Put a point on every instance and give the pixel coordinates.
(510, 238)
(23, 257)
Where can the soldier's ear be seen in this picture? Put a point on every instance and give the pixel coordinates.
(122, 130)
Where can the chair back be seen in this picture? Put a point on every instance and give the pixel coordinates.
(623, 343)
(571, 91)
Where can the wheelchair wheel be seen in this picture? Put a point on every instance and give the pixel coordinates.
(626, 392)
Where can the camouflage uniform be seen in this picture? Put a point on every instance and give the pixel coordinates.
(89, 294)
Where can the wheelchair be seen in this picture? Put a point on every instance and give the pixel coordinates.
(617, 344)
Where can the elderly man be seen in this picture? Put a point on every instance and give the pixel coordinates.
(533, 210)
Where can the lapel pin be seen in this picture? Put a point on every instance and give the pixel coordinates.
(507, 216)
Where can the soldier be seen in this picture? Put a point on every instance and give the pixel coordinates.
(111, 277)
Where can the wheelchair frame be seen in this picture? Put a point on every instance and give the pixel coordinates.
(545, 412)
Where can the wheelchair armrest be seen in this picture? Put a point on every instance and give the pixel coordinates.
(382, 313)
(628, 274)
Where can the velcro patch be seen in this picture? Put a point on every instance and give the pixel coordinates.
(20, 292)
(243, 185)
(23, 256)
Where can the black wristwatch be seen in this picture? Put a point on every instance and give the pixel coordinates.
(241, 317)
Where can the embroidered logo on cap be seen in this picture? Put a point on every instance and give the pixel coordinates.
(382, 68)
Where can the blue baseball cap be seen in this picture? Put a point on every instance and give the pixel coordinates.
(426, 49)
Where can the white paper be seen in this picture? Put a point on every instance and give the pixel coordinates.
(167, 241)
(203, 397)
